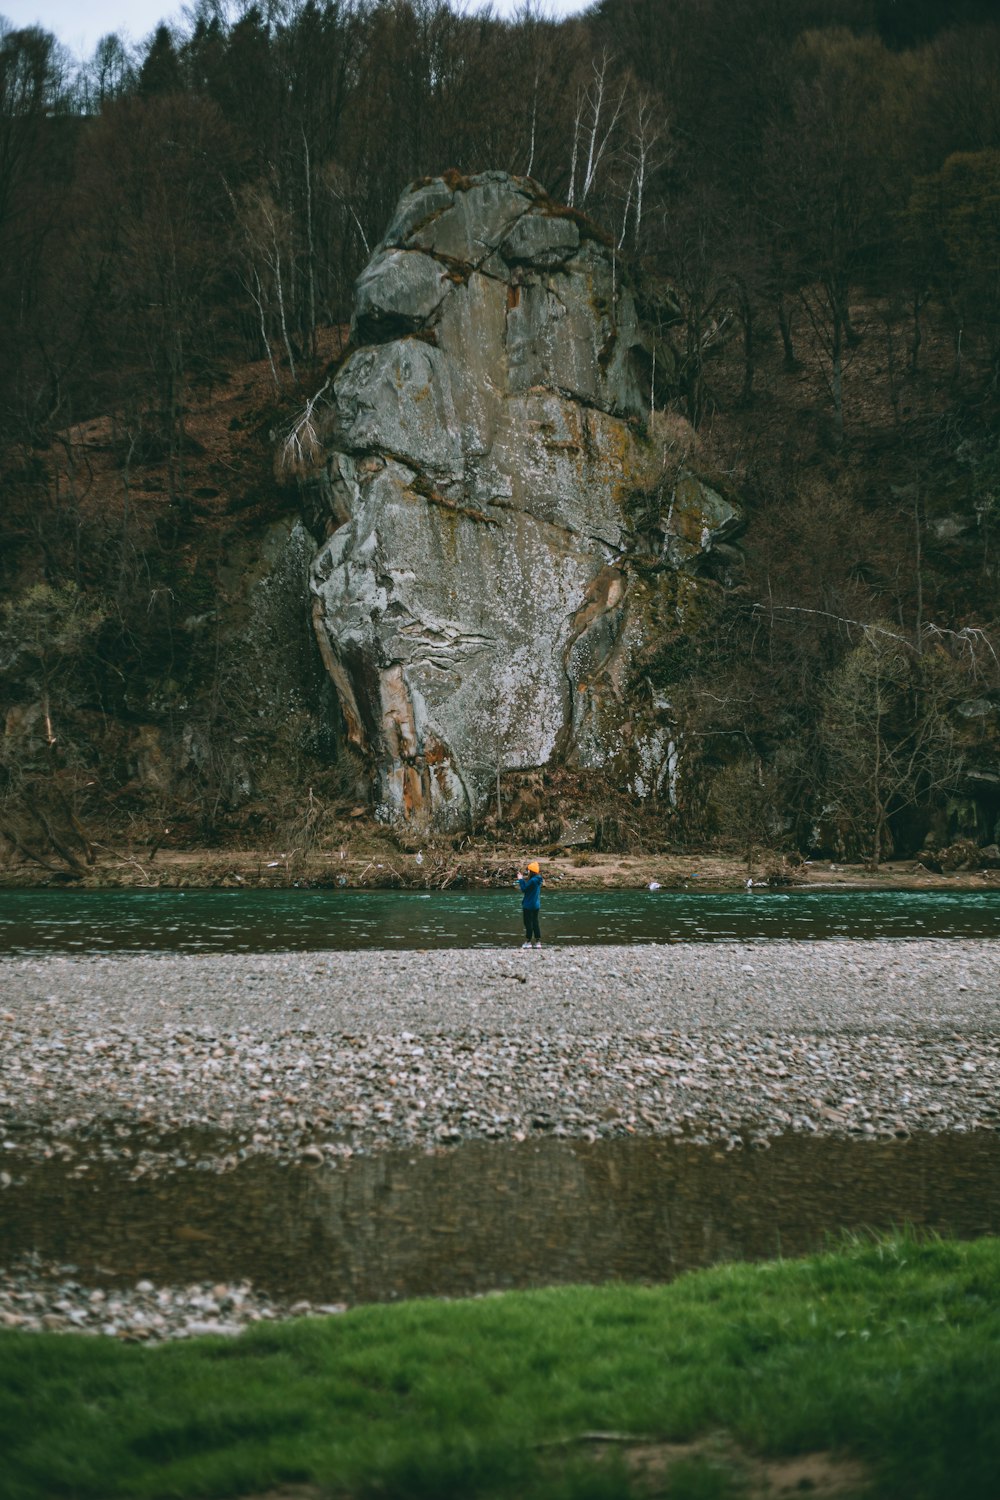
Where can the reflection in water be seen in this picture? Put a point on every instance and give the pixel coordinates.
(292, 920)
(487, 1216)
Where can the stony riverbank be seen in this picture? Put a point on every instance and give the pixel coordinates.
(317, 1054)
(158, 1064)
(39, 1297)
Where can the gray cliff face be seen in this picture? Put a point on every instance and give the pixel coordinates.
(473, 601)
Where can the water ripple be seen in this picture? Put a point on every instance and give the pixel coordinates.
(293, 920)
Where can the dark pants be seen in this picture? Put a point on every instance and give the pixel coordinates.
(531, 928)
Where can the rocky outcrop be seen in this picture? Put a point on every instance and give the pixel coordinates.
(475, 598)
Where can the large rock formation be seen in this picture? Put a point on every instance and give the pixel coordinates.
(485, 441)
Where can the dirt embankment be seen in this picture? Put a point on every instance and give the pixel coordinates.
(370, 864)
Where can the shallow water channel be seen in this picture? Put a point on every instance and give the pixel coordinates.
(226, 921)
(482, 1215)
(485, 1216)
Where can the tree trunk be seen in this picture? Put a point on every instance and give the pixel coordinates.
(749, 349)
(918, 625)
(785, 325)
(918, 332)
(837, 372)
(890, 362)
(310, 249)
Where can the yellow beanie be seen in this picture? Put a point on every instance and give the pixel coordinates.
(533, 868)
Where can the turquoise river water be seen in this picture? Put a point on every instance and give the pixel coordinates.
(228, 921)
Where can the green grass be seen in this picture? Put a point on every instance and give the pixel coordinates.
(888, 1350)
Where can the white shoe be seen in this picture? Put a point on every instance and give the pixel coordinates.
(525, 945)
(538, 945)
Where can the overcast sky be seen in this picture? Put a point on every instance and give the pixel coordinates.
(80, 26)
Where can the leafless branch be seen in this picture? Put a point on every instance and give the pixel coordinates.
(302, 443)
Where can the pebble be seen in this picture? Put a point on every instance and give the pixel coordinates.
(36, 1296)
(309, 1058)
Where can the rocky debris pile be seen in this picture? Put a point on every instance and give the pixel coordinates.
(160, 1064)
(963, 855)
(36, 1297)
(484, 477)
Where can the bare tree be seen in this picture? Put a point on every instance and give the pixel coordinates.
(265, 233)
(647, 148)
(829, 183)
(46, 633)
(599, 105)
(108, 75)
(888, 739)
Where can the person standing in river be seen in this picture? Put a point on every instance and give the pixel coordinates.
(531, 889)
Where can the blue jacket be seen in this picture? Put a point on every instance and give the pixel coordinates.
(532, 888)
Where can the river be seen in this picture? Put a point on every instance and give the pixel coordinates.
(255, 921)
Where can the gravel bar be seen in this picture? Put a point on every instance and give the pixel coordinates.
(321, 1053)
(155, 1064)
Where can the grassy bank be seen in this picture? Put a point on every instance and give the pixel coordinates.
(879, 1360)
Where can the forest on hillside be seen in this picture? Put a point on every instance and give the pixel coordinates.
(806, 197)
